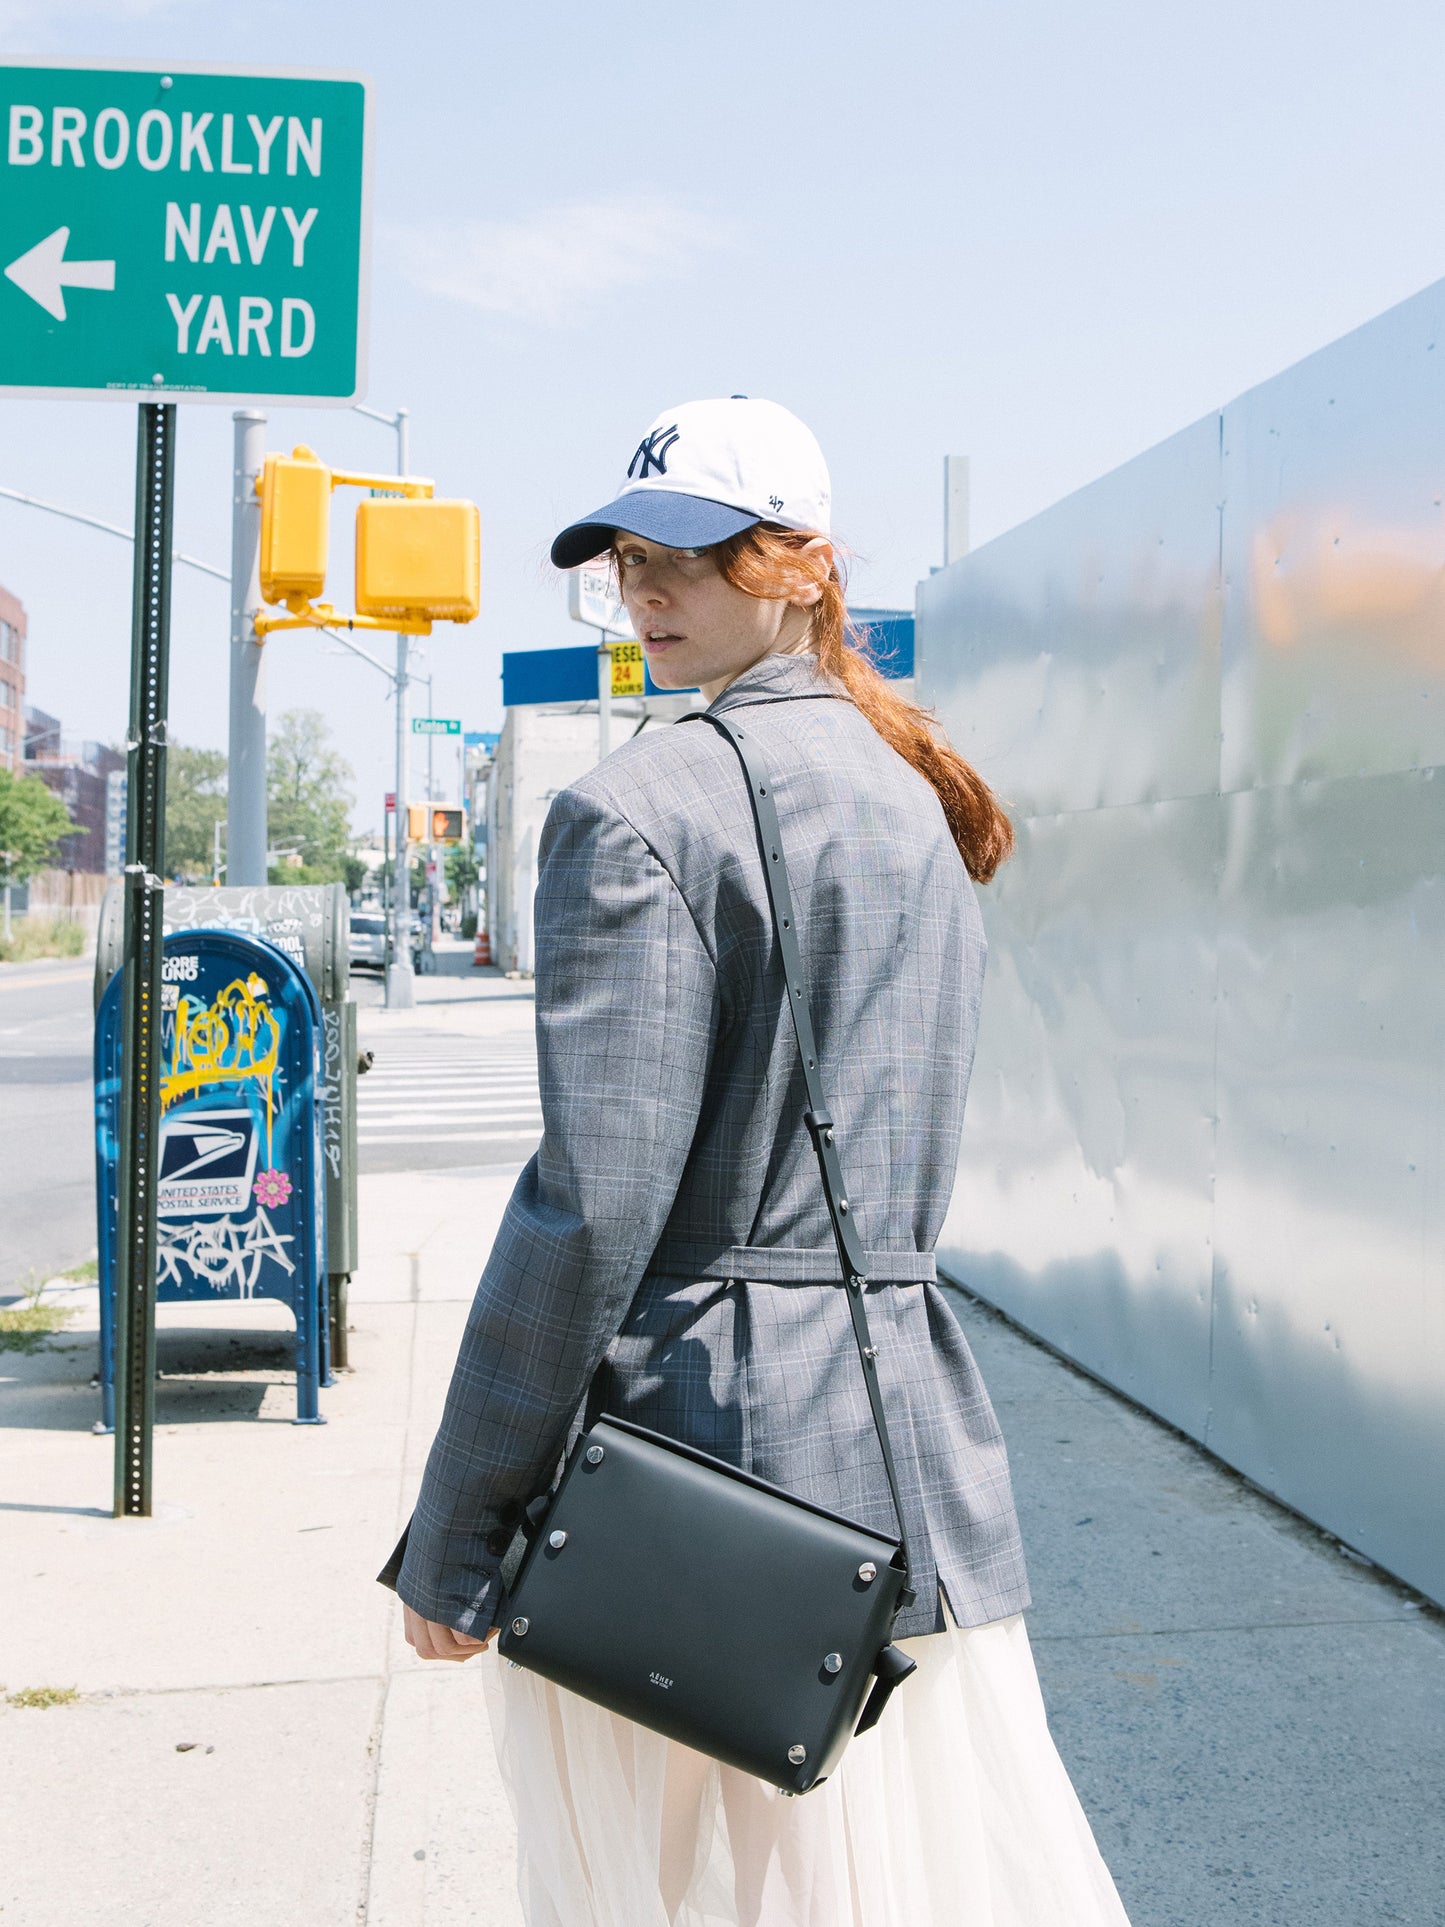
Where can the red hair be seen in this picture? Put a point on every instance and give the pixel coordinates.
(773, 563)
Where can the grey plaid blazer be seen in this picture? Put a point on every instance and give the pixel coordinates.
(668, 1246)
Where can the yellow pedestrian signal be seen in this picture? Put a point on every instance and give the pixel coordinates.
(418, 560)
(295, 527)
(435, 823)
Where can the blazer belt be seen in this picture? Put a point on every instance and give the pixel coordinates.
(788, 1264)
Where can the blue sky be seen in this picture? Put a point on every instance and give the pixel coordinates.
(1044, 235)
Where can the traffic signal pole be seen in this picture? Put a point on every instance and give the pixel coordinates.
(140, 1069)
(400, 977)
(246, 757)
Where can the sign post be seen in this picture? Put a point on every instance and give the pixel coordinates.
(140, 1100)
(194, 235)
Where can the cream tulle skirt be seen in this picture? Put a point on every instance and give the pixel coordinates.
(955, 1811)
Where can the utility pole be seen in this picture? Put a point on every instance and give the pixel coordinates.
(955, 508)
(246, 776)
(604, 697)
(401, 978)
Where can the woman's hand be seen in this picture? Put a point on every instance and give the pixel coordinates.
(429, 1640)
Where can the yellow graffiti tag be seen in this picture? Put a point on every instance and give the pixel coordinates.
(235, 1039)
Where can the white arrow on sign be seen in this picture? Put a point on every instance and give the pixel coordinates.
(43, 273)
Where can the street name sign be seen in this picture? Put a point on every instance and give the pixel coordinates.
(436, 725)
(182, 234)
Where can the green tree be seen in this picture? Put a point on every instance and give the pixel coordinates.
(195, 802)
(461, 869)
(32, 821)
(308, 798)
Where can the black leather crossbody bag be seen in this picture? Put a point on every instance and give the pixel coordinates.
(698, 1600)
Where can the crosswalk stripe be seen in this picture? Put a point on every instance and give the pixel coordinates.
(422, 1114)
(509, 1080)
(437, 1091)
(446, 1137)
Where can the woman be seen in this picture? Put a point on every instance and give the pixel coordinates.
(667, 1257)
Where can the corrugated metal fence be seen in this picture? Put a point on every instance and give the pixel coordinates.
(1205, 1149)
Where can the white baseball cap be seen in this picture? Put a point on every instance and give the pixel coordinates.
(707, 470)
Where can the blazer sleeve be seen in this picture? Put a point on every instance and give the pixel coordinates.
(627, 1007)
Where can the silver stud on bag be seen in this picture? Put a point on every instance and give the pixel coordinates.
(519, 1627)
(556, 1540)
(797, 1754)
(594, 1455)
(833, 1663)
(867, 1572)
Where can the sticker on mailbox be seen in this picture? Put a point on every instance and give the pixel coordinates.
(208, 1162)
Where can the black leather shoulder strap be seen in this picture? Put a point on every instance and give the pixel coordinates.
(817, 1116)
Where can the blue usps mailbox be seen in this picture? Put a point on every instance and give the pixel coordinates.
(241, 1197)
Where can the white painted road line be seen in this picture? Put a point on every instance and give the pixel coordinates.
(443, 1137)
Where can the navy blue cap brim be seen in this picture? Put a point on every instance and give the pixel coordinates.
(657, 515)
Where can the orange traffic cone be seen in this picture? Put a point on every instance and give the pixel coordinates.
(482, 952)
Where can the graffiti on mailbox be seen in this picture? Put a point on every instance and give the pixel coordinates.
(240, 1197)
(227, 1255)
(220, 1186)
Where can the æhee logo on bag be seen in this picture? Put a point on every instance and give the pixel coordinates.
(661, 1679)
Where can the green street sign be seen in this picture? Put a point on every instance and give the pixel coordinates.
(192, 235)
(436, 726)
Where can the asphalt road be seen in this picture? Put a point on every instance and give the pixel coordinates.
(47, 1139)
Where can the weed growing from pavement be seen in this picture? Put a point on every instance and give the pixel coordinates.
(24, 1328)
(87, 1273)
(43, 1696)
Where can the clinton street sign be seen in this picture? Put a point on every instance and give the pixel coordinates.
(196, 235)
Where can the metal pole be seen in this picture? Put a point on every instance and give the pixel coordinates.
(955, 507)
(246, 772)
(400, 977)
(386, 891)
(140, 1099)
(604, 697)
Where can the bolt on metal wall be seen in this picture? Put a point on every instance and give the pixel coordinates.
(1205, 1148)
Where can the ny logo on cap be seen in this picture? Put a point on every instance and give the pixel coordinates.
(652, 454)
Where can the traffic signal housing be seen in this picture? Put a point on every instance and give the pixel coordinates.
(435, 823)
(295, 527)
(418, 559)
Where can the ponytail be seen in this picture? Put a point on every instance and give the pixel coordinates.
(772, 562)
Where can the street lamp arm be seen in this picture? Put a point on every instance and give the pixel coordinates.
(107, 528)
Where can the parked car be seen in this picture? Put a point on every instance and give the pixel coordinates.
(368, 940)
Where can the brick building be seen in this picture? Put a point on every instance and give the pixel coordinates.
(12, 681)
(77, 773)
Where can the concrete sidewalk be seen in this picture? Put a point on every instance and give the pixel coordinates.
(1255, 1722)
(328, 1777)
